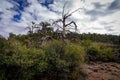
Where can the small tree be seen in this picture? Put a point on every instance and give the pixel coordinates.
(42, 30)
(45, 32)
(32, 27)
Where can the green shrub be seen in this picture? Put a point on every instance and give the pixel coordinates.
(96, 53)
(24, 64)
(117, 55)
(92, 53)
(56, 61)
(107, 55)
(86, 43)
(64, 60)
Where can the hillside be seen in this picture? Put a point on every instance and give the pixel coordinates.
(24, 57)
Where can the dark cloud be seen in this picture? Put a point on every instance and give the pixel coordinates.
(0, 15)
(104, 23)
(97, 5)
(115, 5)
(96, 28)
(98, 11)
(109, 28)
(107, 23)
(0, 18)
(94, 14)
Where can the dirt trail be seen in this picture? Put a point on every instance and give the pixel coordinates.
(103, 71)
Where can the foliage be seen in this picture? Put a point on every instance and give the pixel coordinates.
(27, 57)
(23, 65)
(86, 43)
(22, 58)
(114, 39)
(93, 53)
(107, 55)
(100, 52)
(64, 60)
(56, 61)
(117, 55)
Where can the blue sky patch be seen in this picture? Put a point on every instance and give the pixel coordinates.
(17, 17)
(46, 3)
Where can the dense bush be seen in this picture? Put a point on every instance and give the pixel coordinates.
(86, 43)
(93, 53)
(107, 55)
(64, 61)
(22, 58)
(117, 55)
(102, 53)
(56, 61)
(23, 65)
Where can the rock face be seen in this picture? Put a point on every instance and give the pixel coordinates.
(103, 71)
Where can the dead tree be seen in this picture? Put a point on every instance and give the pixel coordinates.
(63, 20)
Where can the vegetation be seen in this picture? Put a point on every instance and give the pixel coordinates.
(46, 54)
(23, 58)
(54, 61)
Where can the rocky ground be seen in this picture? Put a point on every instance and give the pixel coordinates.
(103, 71)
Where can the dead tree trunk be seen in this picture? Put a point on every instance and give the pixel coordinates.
(63, 20)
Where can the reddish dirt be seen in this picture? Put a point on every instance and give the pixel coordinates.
(103, 71)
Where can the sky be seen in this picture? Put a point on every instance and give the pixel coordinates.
(96, 16)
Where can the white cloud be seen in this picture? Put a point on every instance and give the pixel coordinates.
(41, 13)
(36, 12)
(6, 17)
(113, 21)
(4, 5)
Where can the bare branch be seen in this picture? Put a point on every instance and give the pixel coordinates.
(68, 31)
(70, 28)
(72, 25)
(59, 26)
(72, 22)
(72, 12)
(28, 28)
(64, 9)
(59, 20)
(56, 23)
